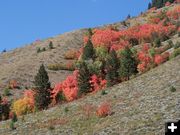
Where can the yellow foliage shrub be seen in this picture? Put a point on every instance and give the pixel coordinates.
(23, 106)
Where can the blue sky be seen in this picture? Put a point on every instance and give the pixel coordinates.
(24, 21)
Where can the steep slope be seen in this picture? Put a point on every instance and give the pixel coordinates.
(139, 106)
(21, 64)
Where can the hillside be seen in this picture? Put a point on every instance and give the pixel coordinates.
(121, 78)
(140, 106)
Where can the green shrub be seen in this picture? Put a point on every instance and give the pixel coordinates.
(134, 51)
(101, 53)
(172, 89)
(175, 53)
(38, 50)
(6, 92)
(95, 68)
(177, 45)
(157, 42)
(11, 125)
(51, 45)
(103, 92)
(170, 43)
(51, 127)
(14, 117)
(62, 66)
(66, 109)
(43, 49)
(152, 52)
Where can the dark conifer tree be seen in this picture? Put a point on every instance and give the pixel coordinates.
(83, 78)
(42, 88)
(128, 64)
(112, 67)
(88, 51)
(149, 6)
(51, 45)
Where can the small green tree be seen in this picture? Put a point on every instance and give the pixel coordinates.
(6, 92)
(11, 125)
(4, 51)
(4, 110)
(51, 45)
(128, 64)
(157, 42)
(38, 50)
(112, 67)
(43, 49)
(14, 117)
(42, 88)
(88, 51)
(83, 78)
(90, 32)
(149, 5)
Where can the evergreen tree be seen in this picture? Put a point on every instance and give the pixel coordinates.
(51, 45)
(149, 6)
(4, 110)
(83, 78)
(128, 17)
(90, 32)
(128, 64)
(42, 88)
(88, 51)
(4, 51)
(112, 67)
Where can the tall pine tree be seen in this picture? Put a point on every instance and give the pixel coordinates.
(128, 64)
(88, 51)
(112, 67)
(83, 78)
(42, 88)
(149, 6)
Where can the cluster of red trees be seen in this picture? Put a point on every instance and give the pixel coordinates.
(175, 13)
(110, 39)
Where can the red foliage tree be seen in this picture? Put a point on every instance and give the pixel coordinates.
(68, 87)
(119, 46)
(104, 37)
(30, 94)
(97, 83)
(158, 59)
(144, 58)
(104, 110)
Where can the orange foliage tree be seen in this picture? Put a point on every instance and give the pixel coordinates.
(97, 83)
(104, 110)
(69, 88)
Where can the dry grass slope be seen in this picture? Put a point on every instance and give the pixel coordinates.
(139, 106)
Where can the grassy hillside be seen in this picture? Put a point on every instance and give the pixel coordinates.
(138, 102)
(139, 106)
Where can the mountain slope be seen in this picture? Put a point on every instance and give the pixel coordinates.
(139, 106)
(22, 64)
